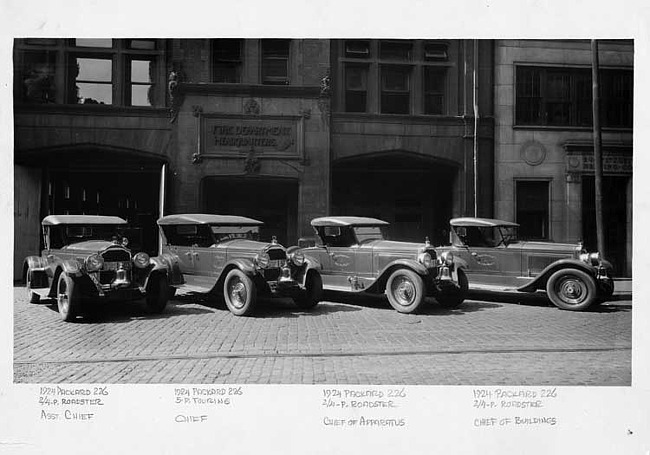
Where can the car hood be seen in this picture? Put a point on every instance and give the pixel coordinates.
(92, 246)
(391, 245)
(241, 244)
(553, 247)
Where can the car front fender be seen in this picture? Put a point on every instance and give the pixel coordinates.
(380, 284)
(71, 267)
(169, 264)
(303, 271)
(540, 281)
(35, 263)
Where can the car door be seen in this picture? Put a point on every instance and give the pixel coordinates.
(490, 263)
(337, 257)
(207, 259)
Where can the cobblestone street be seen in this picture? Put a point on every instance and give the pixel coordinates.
(345, 340)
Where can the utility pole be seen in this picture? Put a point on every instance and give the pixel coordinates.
(598, 161)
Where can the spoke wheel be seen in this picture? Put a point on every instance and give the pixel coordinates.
(67, 298)
(405, 290)
(571, 289)
(239, 292)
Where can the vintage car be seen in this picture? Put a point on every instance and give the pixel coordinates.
(209, 253)
(498, 261)
(85, 258)
(352, 255)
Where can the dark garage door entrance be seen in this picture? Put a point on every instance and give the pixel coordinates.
(273, 201)
(414, 194)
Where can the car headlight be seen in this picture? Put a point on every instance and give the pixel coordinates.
(425, 259)
(125, 241)
(447, 258)
(297, 258)
(141, 260)
(594, 259)
(94, 262)
(262, 260)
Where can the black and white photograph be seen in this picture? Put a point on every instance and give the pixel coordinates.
(360, 233)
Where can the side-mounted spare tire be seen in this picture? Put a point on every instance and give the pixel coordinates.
(453, 297)
(313, 291)
(157, 293)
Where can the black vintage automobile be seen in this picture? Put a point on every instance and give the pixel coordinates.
(85, 258)
(222, 254)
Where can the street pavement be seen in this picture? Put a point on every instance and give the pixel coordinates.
(506, 340)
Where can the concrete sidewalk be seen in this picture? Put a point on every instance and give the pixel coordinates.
(623, 286)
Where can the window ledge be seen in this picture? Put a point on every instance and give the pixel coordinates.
(571, 128)
(92, 109)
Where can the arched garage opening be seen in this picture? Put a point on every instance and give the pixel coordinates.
(413, 193)
(95, 180)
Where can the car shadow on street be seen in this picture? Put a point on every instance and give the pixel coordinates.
(429, 307)
(539, 299)
(266, 307)
(120, 312)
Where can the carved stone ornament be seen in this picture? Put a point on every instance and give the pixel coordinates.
(175, 97)
(252, 164)
(533, 153)
(197, 110)
(325, 92)
(252, 107)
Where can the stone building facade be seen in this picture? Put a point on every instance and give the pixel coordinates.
(283, 130)
(544, 170)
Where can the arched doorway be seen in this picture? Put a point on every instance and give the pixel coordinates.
(415, 194)
(95, 180)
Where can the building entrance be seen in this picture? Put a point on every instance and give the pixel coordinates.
(273, 201)
(616, 219)
(413, 194)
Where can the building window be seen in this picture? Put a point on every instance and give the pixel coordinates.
(395, 50)
(92, 79)
(616, 98)
(226, 60)
(119, 72)
(39, 77)
(357, 49)
(141, 79)
(356, 88)
(562, 97)
(436, 52)
(275, 61)
(532, 199)
(395, 90)
(434, 90)
(94, 42)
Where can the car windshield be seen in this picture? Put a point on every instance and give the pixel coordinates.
(478, 236)
(225, 233)
(509, 234)
(365, 233)
(68, 234)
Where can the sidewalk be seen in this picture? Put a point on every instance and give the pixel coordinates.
(623, 286)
